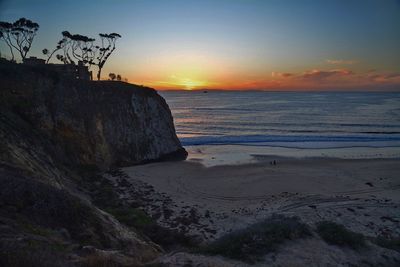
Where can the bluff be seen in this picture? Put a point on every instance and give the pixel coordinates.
(103, 123)
(53, 132)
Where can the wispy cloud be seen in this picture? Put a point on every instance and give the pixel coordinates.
(393, 77)
(324, 74)
(335, 78)
(340, 62)
(281, 74)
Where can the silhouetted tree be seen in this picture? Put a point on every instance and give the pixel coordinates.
(77, 46)
(22, 33)
(112, 76)
(82, 48)
(61, 58)
(61, 45)
(105, 50)
(5, 35)
(1, 36)
(65, 45)
(119, 78)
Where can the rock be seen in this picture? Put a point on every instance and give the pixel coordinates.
(53, 131)
(88, 122)
(64, 233)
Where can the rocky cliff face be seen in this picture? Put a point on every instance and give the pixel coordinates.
(92, 123)
(52, 131)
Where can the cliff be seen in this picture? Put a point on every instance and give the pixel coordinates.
(91, 123)
(55, 135)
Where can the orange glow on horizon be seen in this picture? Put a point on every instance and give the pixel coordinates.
(188, 70)
(180, 83)
(313, 79)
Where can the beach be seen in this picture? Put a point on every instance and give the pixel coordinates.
(210, 201)
(206, 200)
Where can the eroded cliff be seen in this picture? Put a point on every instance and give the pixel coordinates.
(91, 123)
(55, 133)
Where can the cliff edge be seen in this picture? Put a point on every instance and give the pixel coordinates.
(103, 123)
(56, 135)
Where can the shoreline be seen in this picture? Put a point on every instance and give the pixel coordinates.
(216, 155)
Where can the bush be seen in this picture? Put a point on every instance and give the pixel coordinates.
(389, 243)
(131, 217)
(147, 226)
(251, 243)
(337, 234)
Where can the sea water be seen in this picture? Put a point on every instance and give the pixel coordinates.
(286, 119)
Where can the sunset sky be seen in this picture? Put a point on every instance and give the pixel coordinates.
(235, 44)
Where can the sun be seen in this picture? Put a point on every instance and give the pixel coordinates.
(189, 84)
(176, 82)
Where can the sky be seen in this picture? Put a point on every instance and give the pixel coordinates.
(232, 44)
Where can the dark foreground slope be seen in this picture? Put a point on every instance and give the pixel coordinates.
(54, 133)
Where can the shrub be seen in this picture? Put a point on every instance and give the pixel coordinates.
(337, 234)
(390, 243)
(131, 217)
(251, 243)
(146, 225)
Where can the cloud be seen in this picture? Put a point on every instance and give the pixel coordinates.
(324, 74)
(332, 79)
(286, 74)
(341, 62)
(281, 74)
(393, 77)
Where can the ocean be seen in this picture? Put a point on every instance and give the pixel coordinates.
(286, 119)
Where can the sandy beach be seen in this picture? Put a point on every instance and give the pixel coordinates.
(219, 190)
(362, 194)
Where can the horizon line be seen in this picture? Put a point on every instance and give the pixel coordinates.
(347, 90)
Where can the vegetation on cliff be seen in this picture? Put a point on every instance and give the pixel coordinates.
(71, 49)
